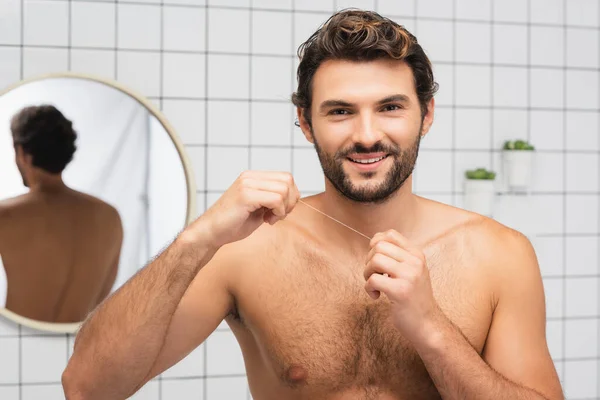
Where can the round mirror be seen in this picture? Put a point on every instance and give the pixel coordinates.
(94, 183)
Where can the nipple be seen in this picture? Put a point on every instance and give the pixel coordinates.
(297, 374)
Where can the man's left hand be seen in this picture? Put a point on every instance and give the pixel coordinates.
(399, 270)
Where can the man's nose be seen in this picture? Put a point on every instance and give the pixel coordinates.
(367, 133)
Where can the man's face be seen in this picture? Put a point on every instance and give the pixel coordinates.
(366, 126)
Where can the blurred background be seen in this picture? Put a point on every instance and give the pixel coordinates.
(223, 72)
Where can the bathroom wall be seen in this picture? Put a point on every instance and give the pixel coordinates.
(223, 72)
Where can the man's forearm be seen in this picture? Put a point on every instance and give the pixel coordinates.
(123, 337)
(459, 372)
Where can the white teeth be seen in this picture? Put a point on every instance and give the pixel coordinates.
(368, 161)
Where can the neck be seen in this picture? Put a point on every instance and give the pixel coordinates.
(39, 181)
(398, 212)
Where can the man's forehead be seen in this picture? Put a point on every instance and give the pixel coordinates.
(377, 78)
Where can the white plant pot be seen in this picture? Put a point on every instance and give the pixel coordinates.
(518, 169)
(480, 195)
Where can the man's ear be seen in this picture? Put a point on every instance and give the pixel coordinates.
(304, 125)
(428, 118)
(22, 157)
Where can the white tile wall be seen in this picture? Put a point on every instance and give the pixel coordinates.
(473, 42)
(582, 12)
(546, 128)
(263, 41)
(137, 26)
(507, 69)
(50, 392)
(271, 78)
(94, 62)
(579, 125)
(474, 9)
(184, 29)
(10, 22)
(10, 65)
(228, 124)
(183, 75)
(187, 118)
(36, 29)
(228, 77)
(509, 46)
(93, 25)
(39, 61)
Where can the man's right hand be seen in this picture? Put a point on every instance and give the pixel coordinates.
(254, 198)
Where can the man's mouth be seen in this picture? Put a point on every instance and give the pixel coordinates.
(372, 160)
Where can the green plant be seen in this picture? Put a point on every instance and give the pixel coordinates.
(480, 173)
(518, 145)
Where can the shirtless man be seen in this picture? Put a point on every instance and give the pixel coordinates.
(60, 247)
(440, 303)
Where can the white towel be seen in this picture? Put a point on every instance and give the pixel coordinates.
(3, 285)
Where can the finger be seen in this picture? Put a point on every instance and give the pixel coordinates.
(381, 264)
(378, 284)
(396, 238)
(391, 250)
(280, 176)
(284, 178)
(260, 198)
(271, 186)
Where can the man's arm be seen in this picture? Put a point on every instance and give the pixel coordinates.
(171, 306)
(516, 363)
(121, 340)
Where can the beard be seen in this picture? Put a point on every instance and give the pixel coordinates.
(404, 161)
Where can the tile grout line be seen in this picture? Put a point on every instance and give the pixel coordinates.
(598, 240)
(116, 46)
(454, 110)
(206, 72)
(528, 70)
(161, 71)
(250, 61)
(294, 55)
(492, 102)
(22, 76)
(564, 197)
(69, 33)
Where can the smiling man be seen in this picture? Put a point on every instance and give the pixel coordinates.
(440, 303)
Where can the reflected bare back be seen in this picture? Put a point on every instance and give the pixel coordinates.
(61, 251)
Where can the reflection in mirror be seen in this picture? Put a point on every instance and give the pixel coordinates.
(92, 186)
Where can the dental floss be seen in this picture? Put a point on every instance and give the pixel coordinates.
(339, 222)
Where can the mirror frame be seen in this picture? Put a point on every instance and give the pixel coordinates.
(72, 328)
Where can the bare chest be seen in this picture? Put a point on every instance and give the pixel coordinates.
(316, 328)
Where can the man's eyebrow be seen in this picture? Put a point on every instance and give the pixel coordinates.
(333, 103)
(402, 98)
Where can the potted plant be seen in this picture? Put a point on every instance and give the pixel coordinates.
(518, 164)
(480, 191)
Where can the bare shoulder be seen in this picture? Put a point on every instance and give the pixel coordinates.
(506, 255)
(499, 245)
(11, 207)
(480, 232)
(101, 208)
(486, 241)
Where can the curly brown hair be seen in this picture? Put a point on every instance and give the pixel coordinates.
(45, 133)
(358, 35)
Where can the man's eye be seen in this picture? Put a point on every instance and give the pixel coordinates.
(338, 112)
(391, 107)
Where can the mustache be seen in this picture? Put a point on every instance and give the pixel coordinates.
(361, 149)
